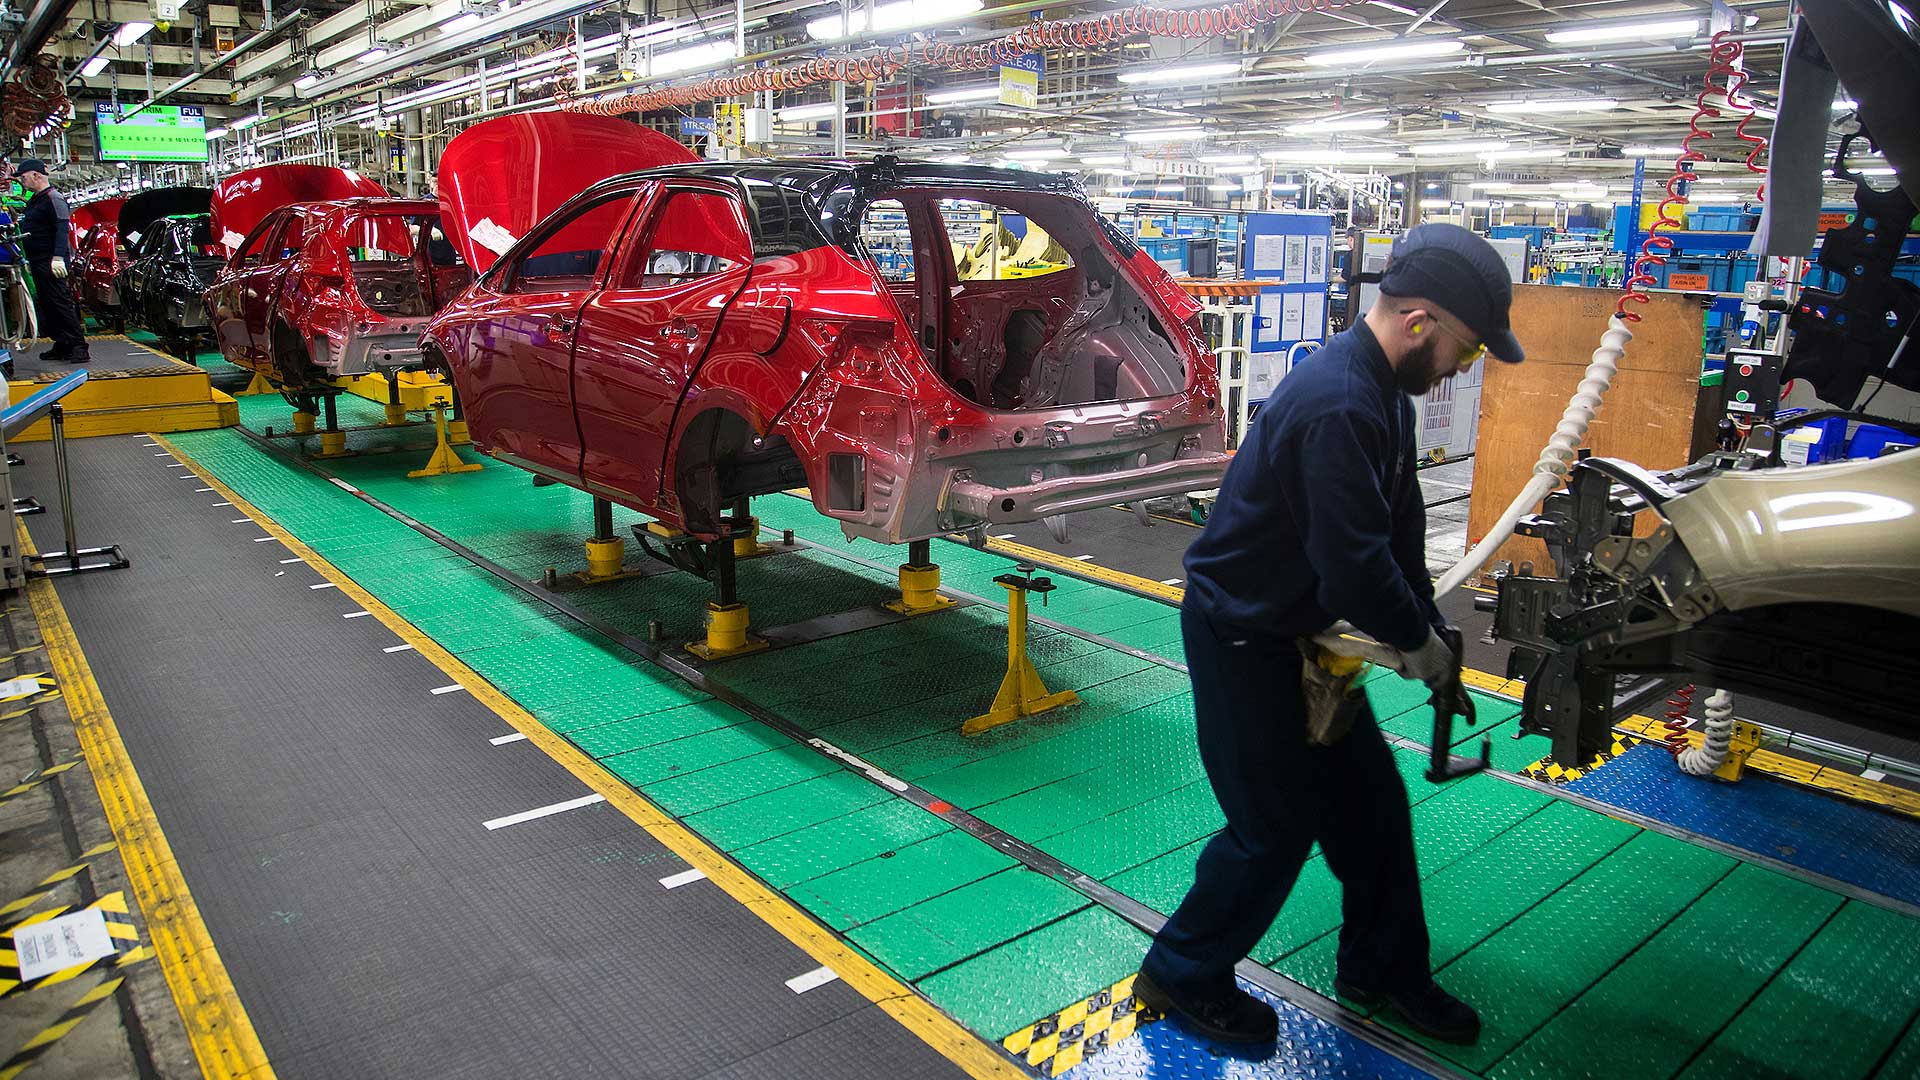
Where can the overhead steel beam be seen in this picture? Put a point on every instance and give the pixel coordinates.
(287, 21)
(43, 18)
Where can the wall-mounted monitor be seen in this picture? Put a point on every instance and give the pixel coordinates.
(155, 133)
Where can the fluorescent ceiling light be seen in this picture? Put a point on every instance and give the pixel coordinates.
(128, 33)
(244, 122)
(1285, 187)
(694, 56)
(1539, 204)
(900, 15)
(461, 22)
(1364, 123)
(1483, 147)
(1330, 157)
(1104, 159)
(1666, 28)
(311, 78)
(1845, 105)
(1226, 159)
(796, 113)
(216, 133)
(1160, 135)
(1653, 151)
(964, 93)
(375, 53)
(1170, 188)
(1407, 50)
(1180, 73)
(95, 66)
(1223, 187)
(1529, 154)
(1563, 105)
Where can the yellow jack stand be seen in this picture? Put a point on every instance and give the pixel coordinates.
(258, 385)
(333, 444)
(606, 553)
(444, 460)
(1021, 691)
(457, 433)
(919, 583)
(726, 615)
(396, 414)
(747, 545)
(303, 422)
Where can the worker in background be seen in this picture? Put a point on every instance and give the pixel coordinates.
(1320, 518)
(1350, 272)
(43, 237)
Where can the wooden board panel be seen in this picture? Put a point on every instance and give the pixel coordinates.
(1647, 417)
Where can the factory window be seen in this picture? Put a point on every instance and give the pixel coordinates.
(991, 243)
(695, 234)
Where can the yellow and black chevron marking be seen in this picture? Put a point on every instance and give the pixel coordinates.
(119, 927)
(10, 913)
(37, 779)
(44, 1039)
(1550, 771)
(1079, 1031)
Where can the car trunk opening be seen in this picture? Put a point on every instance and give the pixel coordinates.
(1019, 302)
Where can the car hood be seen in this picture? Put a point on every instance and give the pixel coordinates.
(501, 177)
(244, 200)
(145, 208)
(87, 215)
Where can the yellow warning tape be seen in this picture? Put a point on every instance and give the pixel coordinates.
(1056, 1043)
(44, 1039)
(940, 1031)
(46, 885)
(119, 929)
(1549, 771)
(1106, 575)
(223, 1038)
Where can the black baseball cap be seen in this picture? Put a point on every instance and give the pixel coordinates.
(32, 164)
(1461, 272)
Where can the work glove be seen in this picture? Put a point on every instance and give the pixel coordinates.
(1433, 663)
(59, 267)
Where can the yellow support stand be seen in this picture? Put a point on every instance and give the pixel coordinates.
(726, 633)
(605, 558)
(919, 583)
(303, 422)
(1021, 691)
(747, 545)
(258, 385)
(457, 433)
(396, 414)
(444, 460)
(333, 444)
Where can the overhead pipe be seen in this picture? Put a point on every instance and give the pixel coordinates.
(233, 54)
(38, 28)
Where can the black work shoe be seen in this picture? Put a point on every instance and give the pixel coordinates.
(1430, 1010)
(1233, 1017)
(83, 358)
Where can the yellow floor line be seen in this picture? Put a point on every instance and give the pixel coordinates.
(223, 1038)
(915, 1013)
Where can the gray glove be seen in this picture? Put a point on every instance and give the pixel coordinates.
(1432, 663)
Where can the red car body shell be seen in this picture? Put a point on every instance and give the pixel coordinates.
(96, 269)
(248, 197)
(629, 387)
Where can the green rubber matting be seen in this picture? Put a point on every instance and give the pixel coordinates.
(1568, 928)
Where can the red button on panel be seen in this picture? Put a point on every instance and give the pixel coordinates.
(1746, 369)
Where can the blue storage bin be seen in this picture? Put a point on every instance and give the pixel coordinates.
(1873, 440)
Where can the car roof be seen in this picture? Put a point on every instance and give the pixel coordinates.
(820, 174)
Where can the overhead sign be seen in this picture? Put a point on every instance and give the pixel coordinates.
(1020, 81)
(155, 133)
(697, 125)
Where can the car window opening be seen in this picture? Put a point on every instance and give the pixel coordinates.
(1018, 302)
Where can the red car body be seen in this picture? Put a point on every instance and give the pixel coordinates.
(328, 276)
(96, 273)
(84, 217)
(680, 338)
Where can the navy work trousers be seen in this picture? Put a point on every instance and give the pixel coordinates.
(1281, 796)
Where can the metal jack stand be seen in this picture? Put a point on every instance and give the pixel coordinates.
(74, 560)
(396, 410)
(1021, 691)
(919, 582)
(333, 441)
(443, 460)
(259, 384)
(726, 615)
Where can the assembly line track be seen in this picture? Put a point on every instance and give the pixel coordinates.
(1141, 916)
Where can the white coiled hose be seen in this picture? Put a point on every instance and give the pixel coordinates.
(1717, 730)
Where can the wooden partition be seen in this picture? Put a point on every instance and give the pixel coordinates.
(1651, 416)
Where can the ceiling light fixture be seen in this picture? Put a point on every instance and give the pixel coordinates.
(1665, 28)
(1652, 151)
(963, 93)
(216, 133)
(461, 22)
(1104, 159)
(1180, 73)
(1332, 157)
(1223, 187)
(1483, 147)
(1410, 50)
(1162, 135)
(1284, 187)
(128, 33)
(797, 113)
(900, 15)
(1331, 124)
(1226, 159)
(694, 56)
(95, 66)
(375, 53)
(1564, 105)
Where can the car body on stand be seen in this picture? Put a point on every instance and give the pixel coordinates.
(680, 338)
(329, 275)
(96, 261)
(171, 258)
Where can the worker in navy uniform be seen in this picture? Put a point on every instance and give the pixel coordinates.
(43, 238)
(1320, 519)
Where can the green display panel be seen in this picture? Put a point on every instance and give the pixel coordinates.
(156, 133)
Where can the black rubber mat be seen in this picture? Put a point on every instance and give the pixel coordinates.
(326, 808)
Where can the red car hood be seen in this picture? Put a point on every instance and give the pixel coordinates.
(87, 216)
(501, 177)
(244, 199)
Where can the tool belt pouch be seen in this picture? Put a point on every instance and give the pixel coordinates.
(1332, 700)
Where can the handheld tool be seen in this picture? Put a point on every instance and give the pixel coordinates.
(1450, 699)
